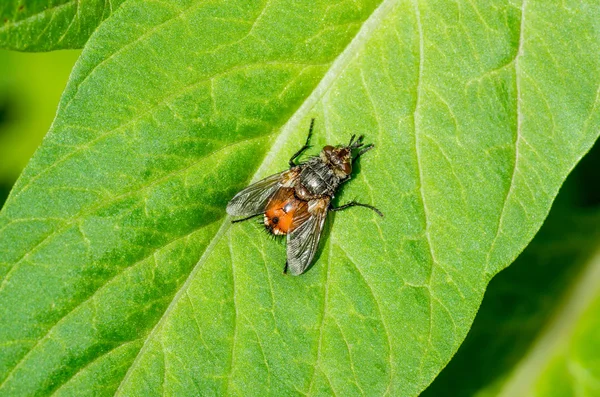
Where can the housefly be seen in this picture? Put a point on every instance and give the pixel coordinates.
(295, 202)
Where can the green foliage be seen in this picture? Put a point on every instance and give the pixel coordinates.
(44, 25)
(121, 273)
(532, 312)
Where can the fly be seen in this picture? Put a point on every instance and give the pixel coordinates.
(295, 202)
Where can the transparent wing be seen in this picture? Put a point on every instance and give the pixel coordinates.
(253, 199)
(302, 242)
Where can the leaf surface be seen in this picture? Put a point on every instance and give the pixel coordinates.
(121, 273)
(528, 335)
(45, 25)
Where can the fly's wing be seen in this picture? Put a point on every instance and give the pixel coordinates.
(302, 242)
(253, 199)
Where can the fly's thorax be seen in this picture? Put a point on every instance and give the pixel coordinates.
(317, 179)
(302, 193)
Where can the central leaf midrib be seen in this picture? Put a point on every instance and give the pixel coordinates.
(337, 67)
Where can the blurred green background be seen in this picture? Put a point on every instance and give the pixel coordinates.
(30, 89)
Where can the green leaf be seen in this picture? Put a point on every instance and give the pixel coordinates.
(44, 25)
(542, 341)
(121, 273)
(531, 310)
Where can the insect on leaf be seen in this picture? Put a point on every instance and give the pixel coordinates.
(121, 274)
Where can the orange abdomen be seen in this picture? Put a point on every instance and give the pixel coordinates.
(285, 212)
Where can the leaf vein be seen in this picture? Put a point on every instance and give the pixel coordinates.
(322, 324)
(51, 10)
(75, 16)
(517, 137)
(421, 177)
(381, 317)
(335, 70)
(89, 364)
(337, 324)
(149, 111)
(83, 302)
(235, 321)
(146, 34)
(112, 200)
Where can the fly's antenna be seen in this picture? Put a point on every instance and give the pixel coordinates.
(356, 144)
(352, 140)
(363, 149)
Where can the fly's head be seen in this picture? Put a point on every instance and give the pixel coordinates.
(340, 159)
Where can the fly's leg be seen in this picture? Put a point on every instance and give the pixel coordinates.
(306, 145)
(246, 218)
(285, 268)
(362, 151)
(355, 204)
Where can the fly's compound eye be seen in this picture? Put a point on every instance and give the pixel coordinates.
(328, 150)
(343, 152)
(347, 167)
